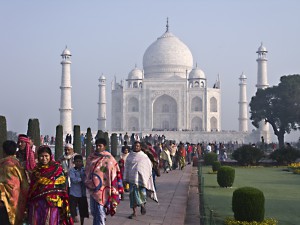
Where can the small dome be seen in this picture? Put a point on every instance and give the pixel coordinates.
(262, 48)
(66, 52)
(243, 76)
(135, 74)
(197, 73)
(102, 77)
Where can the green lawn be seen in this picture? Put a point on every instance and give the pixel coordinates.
(281, 190)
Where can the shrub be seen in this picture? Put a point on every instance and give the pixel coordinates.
(225, 176)
(216, 166)
(3, 133)
(76, 140)
(248, 204)
(232, 221)
(33, 131)
(59, 143)
(285, 155)
(88, 142)
(114, 144)
(247, 155)
(209, 158)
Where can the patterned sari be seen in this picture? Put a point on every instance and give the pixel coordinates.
(48, 198)
(104, 180)
(13, 189)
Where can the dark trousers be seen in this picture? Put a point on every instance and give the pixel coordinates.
(4, 216)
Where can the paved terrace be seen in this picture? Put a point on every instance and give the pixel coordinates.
(178, 202)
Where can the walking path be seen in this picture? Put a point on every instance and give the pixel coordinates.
(178, 202)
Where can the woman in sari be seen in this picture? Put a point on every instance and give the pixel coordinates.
(48, 198)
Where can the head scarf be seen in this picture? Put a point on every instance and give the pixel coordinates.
(30, 160)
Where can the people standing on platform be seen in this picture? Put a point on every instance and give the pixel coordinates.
(122, 162)
(78, 191)
(150, 152)
(67, 161)
(126, 137)
(68, 139)
(125, 146)
(166, 158)
(189, 149)
(13, 186)
(138, 173)
(25, 154)
(104, 183)
(48, 200)
(181, 156)
(173, 153)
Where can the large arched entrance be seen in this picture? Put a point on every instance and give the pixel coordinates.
(165, 113)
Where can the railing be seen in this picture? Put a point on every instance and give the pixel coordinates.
(204, 218)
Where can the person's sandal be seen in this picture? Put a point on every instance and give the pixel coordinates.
(131, 216)
(143, 209)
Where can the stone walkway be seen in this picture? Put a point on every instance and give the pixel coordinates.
(178, 202)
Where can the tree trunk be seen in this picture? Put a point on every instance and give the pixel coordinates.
(280, 137)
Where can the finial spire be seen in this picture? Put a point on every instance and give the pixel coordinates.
(167, 26)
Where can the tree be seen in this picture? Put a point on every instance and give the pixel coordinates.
(59, 143)
(106, 137)
(88, 142)
(100, 134)
(76, 139)
(114, 144)
(3, 133)
(279, 106)
(33, 131)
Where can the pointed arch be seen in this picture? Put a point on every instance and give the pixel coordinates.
(133, 104)
(197, 124)
(133, 124)
(213, 104)
(213, 124)
(197, 104)
(165, 113)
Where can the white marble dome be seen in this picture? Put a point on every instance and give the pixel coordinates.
(197, 73)
(166, 57)
(262, 48)
(135, 74)
(102, 77)
(66, 52)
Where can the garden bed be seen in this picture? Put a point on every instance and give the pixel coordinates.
(281, 190)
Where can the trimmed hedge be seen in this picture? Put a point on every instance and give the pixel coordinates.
(216, 166)
(3, 133)
(248, 204)
(209, 158)
(114, 144)
(88, 143)
(76, 140)
(247, 155)
(59, 143)
(285, 156)
(225, 176)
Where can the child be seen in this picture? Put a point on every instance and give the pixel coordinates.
(122, 162)
(78, 191)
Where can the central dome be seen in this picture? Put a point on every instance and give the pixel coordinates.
(166, 57)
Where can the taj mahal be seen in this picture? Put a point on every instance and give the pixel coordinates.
(168, 95)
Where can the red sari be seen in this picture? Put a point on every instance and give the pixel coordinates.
(48, 197)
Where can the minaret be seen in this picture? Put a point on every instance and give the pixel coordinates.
(65, 98)
(243, 112)
(102, 104)
(262, 83)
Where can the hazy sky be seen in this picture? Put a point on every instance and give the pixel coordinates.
(110, 37)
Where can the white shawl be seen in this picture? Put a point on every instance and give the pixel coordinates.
(138, 170)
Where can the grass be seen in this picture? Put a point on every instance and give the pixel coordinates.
(281, 190)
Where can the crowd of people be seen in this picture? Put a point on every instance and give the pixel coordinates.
(36, 189)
